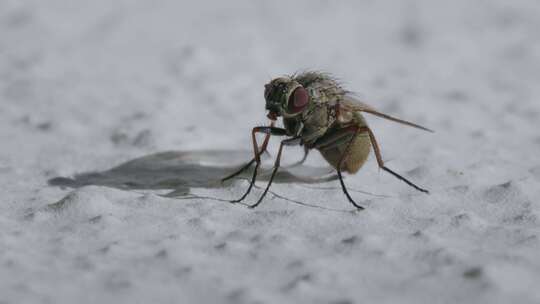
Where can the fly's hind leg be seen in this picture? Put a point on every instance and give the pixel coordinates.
(339, 137)
(355, 131)
(348, 134)
(380, 162)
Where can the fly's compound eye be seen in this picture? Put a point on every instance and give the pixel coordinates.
(298, 100)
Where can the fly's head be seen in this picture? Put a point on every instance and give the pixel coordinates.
(285, 97)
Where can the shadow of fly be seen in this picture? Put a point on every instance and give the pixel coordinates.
(318, 114)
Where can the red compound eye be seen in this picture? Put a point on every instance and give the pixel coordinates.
(298, 100)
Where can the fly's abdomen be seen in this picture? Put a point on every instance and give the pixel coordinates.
(358, 152)
(357, 155)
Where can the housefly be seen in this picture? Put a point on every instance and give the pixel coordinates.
(319, 114)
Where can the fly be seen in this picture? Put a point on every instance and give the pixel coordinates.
(319, 114)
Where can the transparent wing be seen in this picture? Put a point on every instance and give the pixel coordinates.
(350, 103)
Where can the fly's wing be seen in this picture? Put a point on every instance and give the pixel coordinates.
(352, 104)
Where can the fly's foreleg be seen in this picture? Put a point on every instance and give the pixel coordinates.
(248, 164)
(257, 155)
(287, 142)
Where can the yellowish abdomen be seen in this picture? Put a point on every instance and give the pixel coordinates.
(357, 154)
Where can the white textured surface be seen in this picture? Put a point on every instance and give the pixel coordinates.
(85, 85)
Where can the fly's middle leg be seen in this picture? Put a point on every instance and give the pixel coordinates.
(287, 142)
(298, 163)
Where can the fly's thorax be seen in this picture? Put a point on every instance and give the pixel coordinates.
(315, 122)
(325, 101)
(320, 113)
(293, 125)
(359, 120)
(345, 117)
